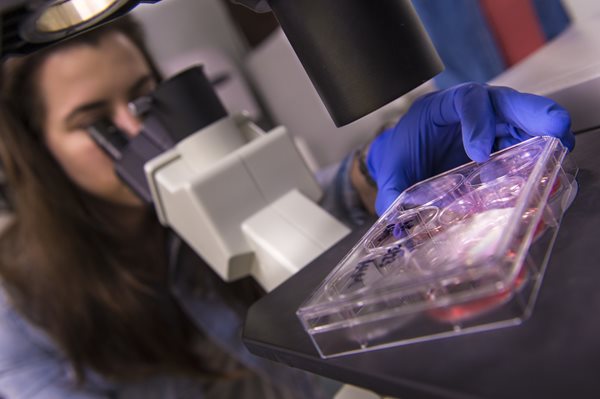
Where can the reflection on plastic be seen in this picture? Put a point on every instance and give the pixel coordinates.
(463, 251)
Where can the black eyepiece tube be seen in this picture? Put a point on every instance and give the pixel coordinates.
(359, 54)
(108, 137)
(186, 103)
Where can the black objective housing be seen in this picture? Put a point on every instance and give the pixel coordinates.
(359, 54)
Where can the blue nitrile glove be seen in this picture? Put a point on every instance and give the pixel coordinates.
(427, 140)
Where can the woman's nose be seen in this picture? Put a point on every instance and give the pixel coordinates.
(125, 120)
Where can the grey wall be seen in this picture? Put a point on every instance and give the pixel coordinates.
(176, 26)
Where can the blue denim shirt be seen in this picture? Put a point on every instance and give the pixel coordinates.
(32, 367)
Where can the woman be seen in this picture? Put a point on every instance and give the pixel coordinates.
(93, 289)
(97, 299)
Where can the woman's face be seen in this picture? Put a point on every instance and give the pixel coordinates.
(80, 85)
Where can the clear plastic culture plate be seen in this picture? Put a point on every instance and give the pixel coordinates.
(463, 251)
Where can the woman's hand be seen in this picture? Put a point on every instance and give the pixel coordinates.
(448, 128)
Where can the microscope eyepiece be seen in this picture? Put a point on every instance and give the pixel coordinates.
(109, 137)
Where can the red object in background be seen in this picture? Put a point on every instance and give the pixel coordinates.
(516, 27)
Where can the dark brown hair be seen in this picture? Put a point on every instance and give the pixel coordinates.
(102, 296)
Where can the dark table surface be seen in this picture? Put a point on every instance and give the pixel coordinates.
(553, 354)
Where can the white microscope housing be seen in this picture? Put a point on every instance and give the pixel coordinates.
(244, 200)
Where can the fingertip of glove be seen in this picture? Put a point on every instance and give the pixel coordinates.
(561, 120)
(560, 127)
(477, 154)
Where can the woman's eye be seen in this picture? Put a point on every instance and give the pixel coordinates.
(85, 123)
(140, 93)
(144, 90)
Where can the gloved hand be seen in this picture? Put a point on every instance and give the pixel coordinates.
(427, 140)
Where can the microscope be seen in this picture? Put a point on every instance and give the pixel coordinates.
(244, 199)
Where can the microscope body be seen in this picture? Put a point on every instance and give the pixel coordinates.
(244, 200)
